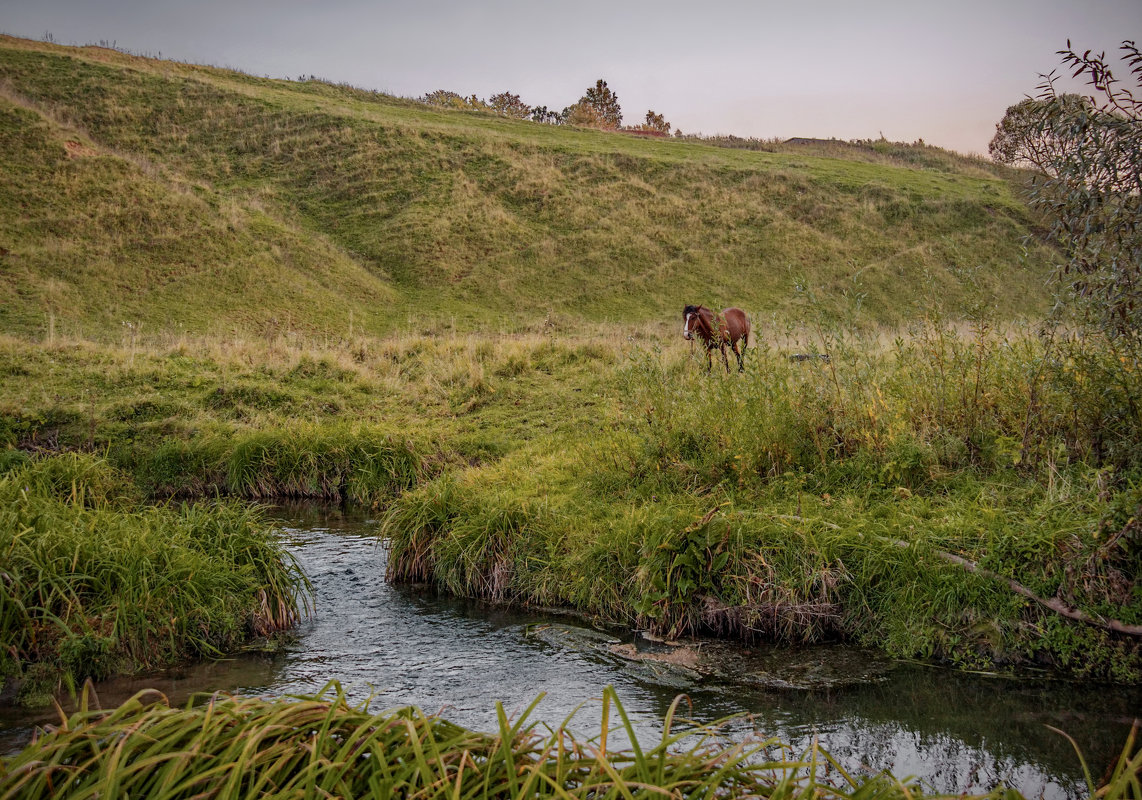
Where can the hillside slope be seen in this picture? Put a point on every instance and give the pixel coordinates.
(193, 198)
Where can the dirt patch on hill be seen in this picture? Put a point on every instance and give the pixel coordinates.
(79, 149)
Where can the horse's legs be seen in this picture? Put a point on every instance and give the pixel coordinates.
(725, 358)
(740, 352)
(709, 359)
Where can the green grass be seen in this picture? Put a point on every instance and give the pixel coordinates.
(230, 285)
(95, 584)
(358, 421)
(610, 474)
(818, 500)
(201, 200)
(321, 746)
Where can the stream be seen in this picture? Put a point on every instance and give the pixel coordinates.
(397, 646)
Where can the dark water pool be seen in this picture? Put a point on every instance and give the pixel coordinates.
(403, 646)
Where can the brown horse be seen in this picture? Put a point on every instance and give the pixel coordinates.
(718, 330)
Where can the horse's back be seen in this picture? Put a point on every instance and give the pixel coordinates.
(737, 323)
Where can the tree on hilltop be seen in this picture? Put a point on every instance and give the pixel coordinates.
(507, 104)
(601, 105)
(582, 114)
(542, 114)
(442, 98)
(656, 122)
(1021, 138)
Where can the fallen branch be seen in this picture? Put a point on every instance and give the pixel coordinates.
(1054, 603)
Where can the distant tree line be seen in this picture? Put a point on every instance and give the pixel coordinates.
(597, 108)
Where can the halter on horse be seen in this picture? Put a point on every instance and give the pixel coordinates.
(717, 331)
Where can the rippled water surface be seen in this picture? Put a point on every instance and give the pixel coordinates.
(401, 646)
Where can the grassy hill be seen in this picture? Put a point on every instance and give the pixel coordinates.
(189, 198)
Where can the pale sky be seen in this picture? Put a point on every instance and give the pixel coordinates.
(851, 69)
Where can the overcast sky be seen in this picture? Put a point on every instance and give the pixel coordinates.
(852, 69)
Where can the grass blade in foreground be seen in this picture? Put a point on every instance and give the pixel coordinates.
(322, 746)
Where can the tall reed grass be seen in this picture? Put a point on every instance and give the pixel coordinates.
(93, 583)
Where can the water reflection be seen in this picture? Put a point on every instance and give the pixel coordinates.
(400, 645)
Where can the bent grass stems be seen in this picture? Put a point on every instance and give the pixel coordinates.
(321, 745)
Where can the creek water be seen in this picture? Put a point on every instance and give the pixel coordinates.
(955, 732)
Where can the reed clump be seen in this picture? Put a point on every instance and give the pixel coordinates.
(325, 462)
(94, 583)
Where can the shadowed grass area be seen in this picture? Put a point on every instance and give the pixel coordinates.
(94, 584)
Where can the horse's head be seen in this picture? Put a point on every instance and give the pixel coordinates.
(690, 318)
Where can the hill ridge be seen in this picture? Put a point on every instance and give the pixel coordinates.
(309, 209)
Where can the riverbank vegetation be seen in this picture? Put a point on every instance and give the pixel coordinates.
(94, 583)
(909, 496)
(962, 493)
(321, 746)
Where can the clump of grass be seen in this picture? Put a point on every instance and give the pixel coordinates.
(321, 746)
(312, 461)
(94, 584)
(337, 463)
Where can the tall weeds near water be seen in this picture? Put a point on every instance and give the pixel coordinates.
(811, 499)
(95, 584)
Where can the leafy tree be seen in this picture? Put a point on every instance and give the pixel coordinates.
(604, 105)
(1021, 138)
(541, 114)
(1090, 150)
(656, 122)
(443, 98)
(582, 114)
(507, 104)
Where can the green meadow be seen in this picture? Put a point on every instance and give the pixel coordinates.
(220, 288)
